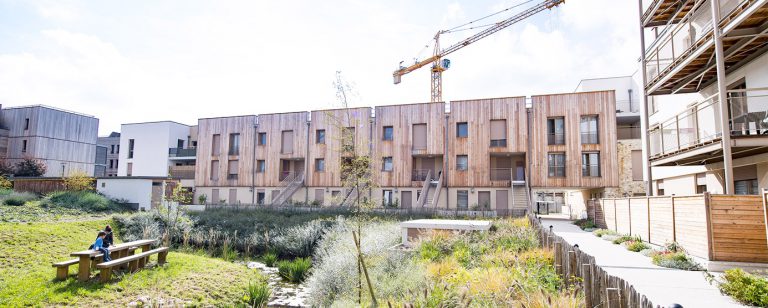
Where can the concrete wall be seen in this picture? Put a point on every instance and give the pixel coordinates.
(152, 141)
(134, 190)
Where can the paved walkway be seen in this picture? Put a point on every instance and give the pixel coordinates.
(662, 286)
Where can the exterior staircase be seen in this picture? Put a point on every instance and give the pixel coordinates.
(288, 186)
(430, 192)
(519, 198)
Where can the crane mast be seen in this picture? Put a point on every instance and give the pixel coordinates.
(439, 64)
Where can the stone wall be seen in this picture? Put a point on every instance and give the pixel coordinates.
(627, 186)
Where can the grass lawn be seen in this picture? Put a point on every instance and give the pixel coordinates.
(32, 211)
(27, 251)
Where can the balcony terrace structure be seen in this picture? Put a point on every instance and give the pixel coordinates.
(682, 57)
(693, 137)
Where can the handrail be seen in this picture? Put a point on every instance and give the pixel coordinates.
(424, 190)
(436, 196)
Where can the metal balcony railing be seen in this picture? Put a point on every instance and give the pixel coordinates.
(182, 152)
(675, 41)
(556, 171)
(699, 124)
(232, 176)
(590, 170)
(182, 172)
(419, 175)
(556, 138)
(499, 143)
(501, 174)
(590, 138)
(628, 132)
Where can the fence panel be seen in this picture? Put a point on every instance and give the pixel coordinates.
(662, 220)
(691, 225)
(638, 210)
(738, 228)
(623, 219)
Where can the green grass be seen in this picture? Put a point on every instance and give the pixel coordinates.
(33, 211)
(27, 251)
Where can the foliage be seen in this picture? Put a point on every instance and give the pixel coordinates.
(744, 287)
(625, 238)
(294, 271)
(585, 224)
(678, 260)
(31, 248)
(30, 167)
(179, 195)
(299, 241)
(602, 232)
(88, 201)
(18, 198)
(5, 183)
(257, 294)
(270, 259)
(202, 199)
(635, 246)
(79, 181)
(6, 168)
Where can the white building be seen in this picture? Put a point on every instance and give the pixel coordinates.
(158, 149)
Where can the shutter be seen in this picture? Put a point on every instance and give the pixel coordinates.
(498, 129)
(420, 136)
(637, 165)
(287, 142)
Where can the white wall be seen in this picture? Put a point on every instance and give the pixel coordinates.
(621, 85)
(134, 190)
(150, 153)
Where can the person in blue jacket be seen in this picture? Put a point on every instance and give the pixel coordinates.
(99, 245)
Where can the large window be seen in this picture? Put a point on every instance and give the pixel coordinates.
(131, 144)
(462, 199)
(386, 164)
(388, 133)
(262, 139)
(556, 130)
(215, 145)
(419, 137)
(320, 136)
(232, 172)
(462, 162)
(556, 164)
(388, 198)
(498, 133)
(462, 130)
(261, 166)
(319, 165)
(746, 187)
(590, 164)
(589, 131)
(234, 144)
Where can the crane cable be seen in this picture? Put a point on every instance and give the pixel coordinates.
(481, 18)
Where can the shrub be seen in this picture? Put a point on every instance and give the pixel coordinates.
(84, 200)
(202, 199)
(678, 260)
(5, 183)
(269, 259)
(294, 271)
(79, 181)
(585, 224)
(30, 167)
(18, 198)
(635, 246)
(14, 201)
(602, 232)
(299, 241)
(257, 294)
(624, 238)
(745, 288)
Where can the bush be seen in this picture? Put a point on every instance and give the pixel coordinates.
(84, 200)
(79, 181)
(585, 224)
(636, 246)
(678, 260)
(269, 259)
(745, 288)
(294, 271)
(299, 241)
(30, 167)
(14, 201)
(602, 232)
(624, 238)
(257, 294)
(18, 199)
(5, 183)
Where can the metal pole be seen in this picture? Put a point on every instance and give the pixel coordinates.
(644, 110)
(722, 97)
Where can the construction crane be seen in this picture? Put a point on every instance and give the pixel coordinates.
(439, 64)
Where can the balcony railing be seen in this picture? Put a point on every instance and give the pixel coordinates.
(501, 174)
(232, 176)
(419, 175)
(556, 138)
(676, 40)
(182, 172)
(182, 152)
(590, 138)
(628, 132)
(499, 143)
(627, 106)
(590, 170)
(699, 124)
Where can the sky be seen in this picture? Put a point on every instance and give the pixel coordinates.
(139, 61)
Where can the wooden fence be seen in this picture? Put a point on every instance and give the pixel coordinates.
(38, 185)
(713, 227)
(577, 267)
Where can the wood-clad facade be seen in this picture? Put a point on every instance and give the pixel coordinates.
(285, 149)
(326, 140)
(417, 131)
(65, 141)
(572, 108)
(214, 156)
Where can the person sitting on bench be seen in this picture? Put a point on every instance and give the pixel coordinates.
(109, 240)
(99, 245)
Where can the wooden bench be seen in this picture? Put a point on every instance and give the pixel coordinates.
(117, 252)
(62, 268)
(135, 262)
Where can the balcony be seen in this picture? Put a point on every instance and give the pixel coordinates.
(590, 138)
(419, 175)
(628, 107)
(501, 174)
(628, 132)
(659, 12)
(681, 59)
(182, 172)
(182, 153)
(693, 136)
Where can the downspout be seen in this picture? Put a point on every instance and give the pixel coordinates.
(253, 162)
(371, 128)
(445, 160)
(528, 157)
(306, 167)
(644, 116)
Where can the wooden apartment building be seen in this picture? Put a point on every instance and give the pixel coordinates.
(482, 154)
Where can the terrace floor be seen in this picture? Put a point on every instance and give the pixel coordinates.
(662, 286)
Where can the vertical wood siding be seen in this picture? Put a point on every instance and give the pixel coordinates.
(243, 125)
(332, 121)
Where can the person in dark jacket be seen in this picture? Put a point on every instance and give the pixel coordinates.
(108, 239)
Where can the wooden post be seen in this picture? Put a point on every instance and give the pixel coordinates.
(144, 260)
(106, 274)
(765, 214)
(710, 235)
(558, 257)
(648, 209)
(571, 266)
(587, 275)
(674, 231)
(61, 272)
(84, 268)
(161, 257)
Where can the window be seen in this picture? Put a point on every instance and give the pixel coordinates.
(498, 133)
(462, 199)
(232, 166)
(261, 166)
(746, 187)
(23, 146)
(652, 108)
(660, 187)
(286, 140)
(180, 143)
(320, 136)
(419, 136)
(387, 198)
(262, 138)
(129, 171)
(388, 132)
(556, 130)
(112, 149)
(131, 144)
(111, 164)
(233, 196)
(260, 196)
(462, 130)
(348, 139)
(590, 164)
(118, 149)
(320, 165)
(386, 164)
(214, 170)
(588, 127)
(26, 124)
(701, 183)
(637, 165)
(462, 162)
(234, 144)
(556, 164)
